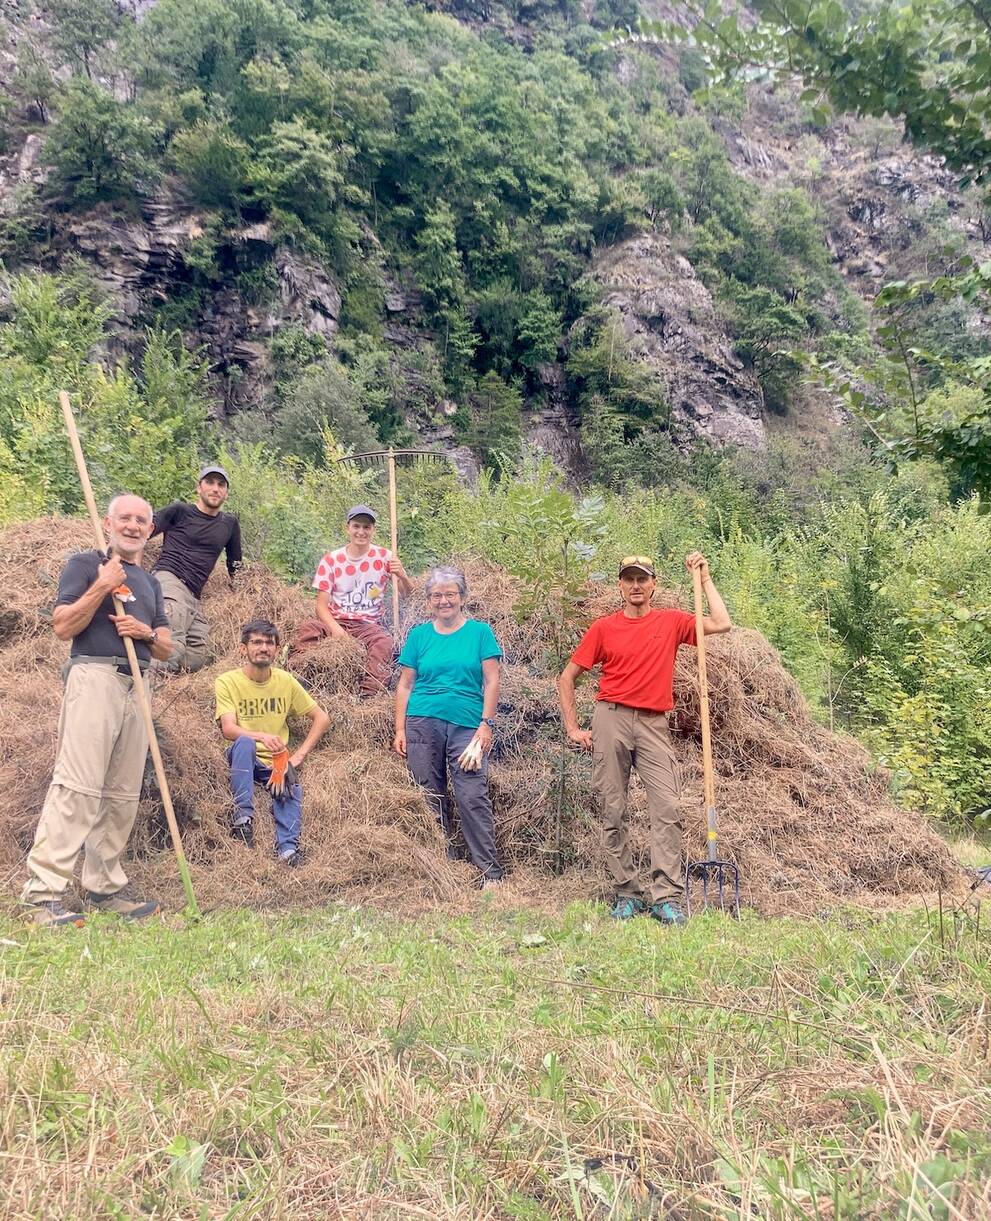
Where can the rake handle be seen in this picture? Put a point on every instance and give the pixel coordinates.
(137, 677)
(708, 775)
(394, 537)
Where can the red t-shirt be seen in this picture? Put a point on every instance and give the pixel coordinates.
(637, 656)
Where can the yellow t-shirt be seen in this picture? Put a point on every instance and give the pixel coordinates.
(262, 707)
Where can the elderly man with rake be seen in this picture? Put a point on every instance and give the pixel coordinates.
(636, 648)
(92, 801)
(254, 704)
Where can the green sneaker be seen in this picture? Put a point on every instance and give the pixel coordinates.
(626, 907)
(667, 912)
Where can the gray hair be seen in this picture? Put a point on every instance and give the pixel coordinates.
(128, 496)
(446, 576)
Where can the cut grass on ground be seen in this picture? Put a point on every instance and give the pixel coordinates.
(342, 1063)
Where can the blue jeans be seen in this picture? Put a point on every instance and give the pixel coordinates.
(286, 811)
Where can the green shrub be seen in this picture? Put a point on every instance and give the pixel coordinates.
(99, 148)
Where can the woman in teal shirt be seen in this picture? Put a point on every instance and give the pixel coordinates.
(447, 696)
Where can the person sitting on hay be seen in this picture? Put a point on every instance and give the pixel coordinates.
(253, 707)
(351, 584)
(445, 708)
(636, 649)
(194, 537)
(92, 801)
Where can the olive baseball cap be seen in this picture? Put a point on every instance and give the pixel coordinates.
(637, 563)
(213, 470)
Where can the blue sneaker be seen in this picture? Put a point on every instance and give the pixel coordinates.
(626, 907)
(667, 912)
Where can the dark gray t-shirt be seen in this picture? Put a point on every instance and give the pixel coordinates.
(99, 638)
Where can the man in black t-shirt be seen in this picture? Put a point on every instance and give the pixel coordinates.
(194, 537)
(92, 800)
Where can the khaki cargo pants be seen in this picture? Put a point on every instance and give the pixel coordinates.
(625, 738)
(93, 797)
(189, 626)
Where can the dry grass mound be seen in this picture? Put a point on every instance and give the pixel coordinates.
(803, 814)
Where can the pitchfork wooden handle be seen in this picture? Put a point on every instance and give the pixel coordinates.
(707, 772)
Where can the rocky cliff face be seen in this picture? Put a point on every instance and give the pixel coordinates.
(671, 324)
(138, 260)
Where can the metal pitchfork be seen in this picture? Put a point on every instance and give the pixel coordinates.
(721, 875)
(390, 458)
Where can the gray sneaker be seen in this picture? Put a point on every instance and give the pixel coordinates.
(52, 914)
(119, 905)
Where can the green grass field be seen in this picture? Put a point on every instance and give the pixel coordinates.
(344, 1063)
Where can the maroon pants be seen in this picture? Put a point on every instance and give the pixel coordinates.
(377, 641)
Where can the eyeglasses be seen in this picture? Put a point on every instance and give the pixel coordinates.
(444, 597)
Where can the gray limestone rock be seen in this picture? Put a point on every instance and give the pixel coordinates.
(671, 323)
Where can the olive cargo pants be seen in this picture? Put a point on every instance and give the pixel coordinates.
(189, 626)
(625, 738)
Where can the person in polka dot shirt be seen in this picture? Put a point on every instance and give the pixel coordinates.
(351, 585)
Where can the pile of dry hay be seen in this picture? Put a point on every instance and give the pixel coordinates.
(808, 822)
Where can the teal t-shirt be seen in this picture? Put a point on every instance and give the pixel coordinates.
(449, 671)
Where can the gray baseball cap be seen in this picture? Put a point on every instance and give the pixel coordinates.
(361, 511)
(213, 470)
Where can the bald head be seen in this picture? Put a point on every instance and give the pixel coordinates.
(128, 525)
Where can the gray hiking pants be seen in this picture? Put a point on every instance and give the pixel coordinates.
(432, 750)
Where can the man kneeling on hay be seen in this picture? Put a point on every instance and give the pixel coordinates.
(253, 707)
(92, 801)
(636, 648)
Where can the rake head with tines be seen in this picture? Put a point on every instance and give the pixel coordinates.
(400, 457)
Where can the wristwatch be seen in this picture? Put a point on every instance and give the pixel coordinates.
(153, 638)
(487, 720)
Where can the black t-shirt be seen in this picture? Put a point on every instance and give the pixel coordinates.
(99, 638)
(193, 541)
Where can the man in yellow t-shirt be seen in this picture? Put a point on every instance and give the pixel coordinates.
(253, 707)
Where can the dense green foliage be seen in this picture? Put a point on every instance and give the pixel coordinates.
(400, 147)
(143, 428)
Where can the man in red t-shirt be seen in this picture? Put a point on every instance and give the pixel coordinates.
(636, 649)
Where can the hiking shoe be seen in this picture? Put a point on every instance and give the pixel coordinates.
(244, 834)
(293, 859)
(492, 883)
(51, 914)
(626, 907)
(119, 905)
(667, 912)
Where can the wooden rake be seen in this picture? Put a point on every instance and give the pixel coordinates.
(390, 459)
(192, 907)
(722, 877)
